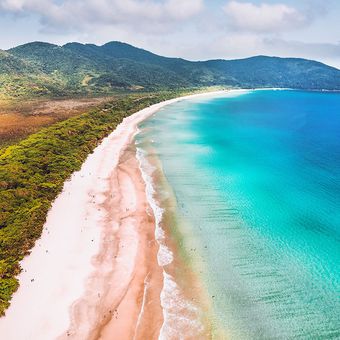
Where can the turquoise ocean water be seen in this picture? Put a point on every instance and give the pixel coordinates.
(257, 181)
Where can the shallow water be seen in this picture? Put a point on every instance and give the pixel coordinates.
(257, 181)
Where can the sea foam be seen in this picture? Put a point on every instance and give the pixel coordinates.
(180, 315)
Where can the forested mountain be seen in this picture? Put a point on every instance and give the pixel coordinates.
(77, 69)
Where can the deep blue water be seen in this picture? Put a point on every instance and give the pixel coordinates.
(257, 181)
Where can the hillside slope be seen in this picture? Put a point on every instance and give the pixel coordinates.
(78, 69)
(262, 71)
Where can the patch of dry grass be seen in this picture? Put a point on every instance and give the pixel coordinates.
(18, 119)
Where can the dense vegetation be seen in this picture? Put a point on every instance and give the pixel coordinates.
(76, 69)
(33, 171)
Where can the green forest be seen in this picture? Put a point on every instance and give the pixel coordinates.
(43, 69)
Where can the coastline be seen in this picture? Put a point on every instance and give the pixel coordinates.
(185, 308)
(87, 242)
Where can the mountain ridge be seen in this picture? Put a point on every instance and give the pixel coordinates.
(40, 68)
(117, 42)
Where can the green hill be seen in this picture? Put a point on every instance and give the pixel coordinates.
(38, 68)
(262, 71)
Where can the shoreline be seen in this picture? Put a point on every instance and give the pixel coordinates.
(182, 308)
(77, 241)
(186, 306)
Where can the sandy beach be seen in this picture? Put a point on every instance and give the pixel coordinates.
(95, 273)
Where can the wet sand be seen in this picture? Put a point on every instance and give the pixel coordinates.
(122, 299)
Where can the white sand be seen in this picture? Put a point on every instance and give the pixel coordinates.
(55, 273)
